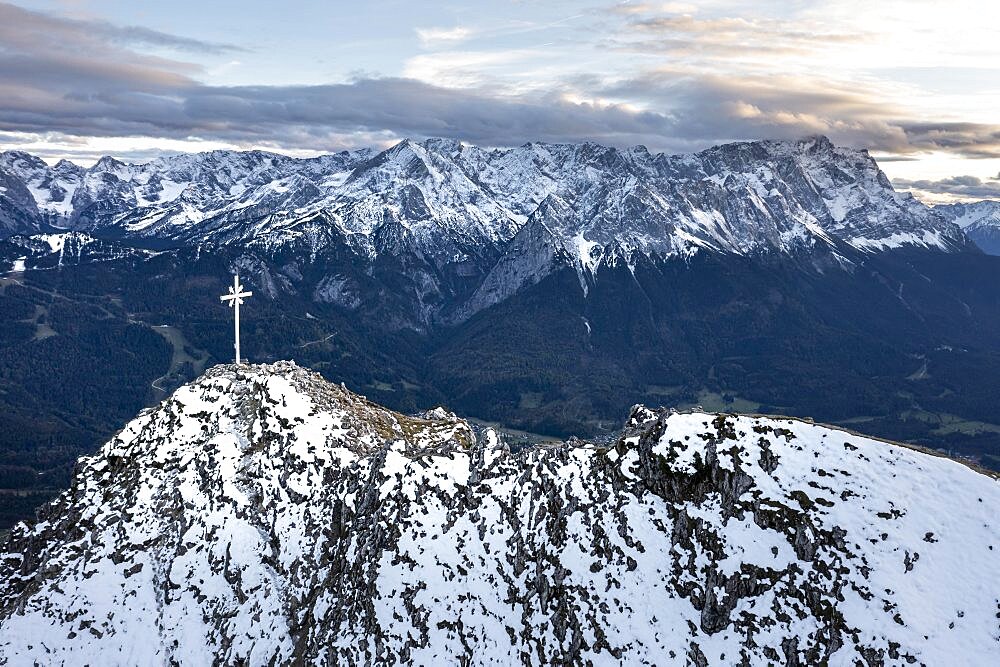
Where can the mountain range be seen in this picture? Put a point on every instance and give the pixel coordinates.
(493, 220)
(261, 515)
(544, 287)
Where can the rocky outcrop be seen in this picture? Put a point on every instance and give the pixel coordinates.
(262, 515)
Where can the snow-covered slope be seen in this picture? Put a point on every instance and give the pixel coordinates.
(979, 220)
(262, 515)
(53, 250)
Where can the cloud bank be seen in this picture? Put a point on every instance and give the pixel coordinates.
(66, 78)
(959, 187)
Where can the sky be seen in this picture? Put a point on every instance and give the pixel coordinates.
(916, 82)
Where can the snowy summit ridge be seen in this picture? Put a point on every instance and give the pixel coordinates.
(457, 200)
(261, 515)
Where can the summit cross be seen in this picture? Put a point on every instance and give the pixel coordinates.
(235, 299)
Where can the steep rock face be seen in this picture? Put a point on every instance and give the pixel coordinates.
(534, 252)
(261, 514)
(811, 188)
(18, 210)
(428, 189)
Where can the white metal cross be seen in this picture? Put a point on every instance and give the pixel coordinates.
(235, 299)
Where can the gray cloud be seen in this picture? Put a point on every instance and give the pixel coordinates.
(683, 34)
(57, 77)
(976, 140)
(63, 78)
(79, 79)
(969, 187)
(714, 108)
(309, 116)
(21, 27)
